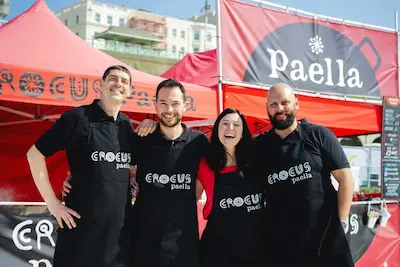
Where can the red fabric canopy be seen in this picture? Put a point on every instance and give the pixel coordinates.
(197, 68)
(46, 69)
(344, 118)
(43, 62)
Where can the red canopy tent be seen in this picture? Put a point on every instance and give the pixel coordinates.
(46, 69)
(343, 117)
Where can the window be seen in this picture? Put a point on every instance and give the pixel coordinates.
(209, 35)
(77, 19)
(183, 34)
(196, 35)
(182, 51)
(121, 22)
(97, 17)
(173, 49)
(109, 20)
(174, 32)
(66, 22)
(196, 49)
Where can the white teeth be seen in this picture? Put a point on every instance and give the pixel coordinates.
(230, 135)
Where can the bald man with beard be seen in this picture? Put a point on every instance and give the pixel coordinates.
(306, 217)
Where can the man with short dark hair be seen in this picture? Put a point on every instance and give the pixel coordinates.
(98, 140)
(305, 215)
(164, 216)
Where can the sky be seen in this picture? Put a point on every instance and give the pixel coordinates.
(377, 12)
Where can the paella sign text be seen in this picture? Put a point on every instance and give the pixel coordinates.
(317, 73)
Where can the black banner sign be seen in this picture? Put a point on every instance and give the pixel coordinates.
(28, 235)
(391, 148)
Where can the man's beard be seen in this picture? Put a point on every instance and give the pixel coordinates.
(170, 123)
(282, 124)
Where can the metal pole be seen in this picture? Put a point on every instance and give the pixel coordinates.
(309, 14)
(396, 21)
(219, 56)
(206, 22)
(205, 30)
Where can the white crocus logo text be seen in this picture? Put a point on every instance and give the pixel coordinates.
(22, 241)
(122, 159)
(296, 173)
(180, 181)
(250, 202)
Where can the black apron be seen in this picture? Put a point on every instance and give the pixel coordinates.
(164, 216)
(232, 237)
(302, 214)
(100, 194)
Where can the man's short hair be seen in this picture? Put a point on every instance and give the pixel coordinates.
(171, 83)
(117, 67)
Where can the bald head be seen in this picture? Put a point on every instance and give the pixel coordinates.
(281, 90)
(282, 105)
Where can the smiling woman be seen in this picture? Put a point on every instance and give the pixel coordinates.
(230, 131)
(234, 205)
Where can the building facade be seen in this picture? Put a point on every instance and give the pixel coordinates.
(119, 29)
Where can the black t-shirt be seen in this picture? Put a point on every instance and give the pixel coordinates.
(165, 165)
(320, 137)
(98, 153)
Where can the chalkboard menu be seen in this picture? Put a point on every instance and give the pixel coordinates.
(391, 148)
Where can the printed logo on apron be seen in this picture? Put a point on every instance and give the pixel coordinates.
(296, 173)
(251, 202)
(180, 181)
(121, 159)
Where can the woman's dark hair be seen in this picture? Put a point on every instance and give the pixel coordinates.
(216, 156)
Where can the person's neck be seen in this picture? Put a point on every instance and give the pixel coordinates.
(283, 133)
(172, 132)
(109, 109)
(230, 156)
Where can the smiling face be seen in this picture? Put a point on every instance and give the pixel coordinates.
(282, 105)
(115, 87)
(170, 106)
(230, 130)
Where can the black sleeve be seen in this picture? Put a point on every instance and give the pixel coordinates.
(57, 137)
(332, 152)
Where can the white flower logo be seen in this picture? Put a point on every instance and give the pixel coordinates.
(316, 45)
